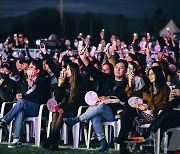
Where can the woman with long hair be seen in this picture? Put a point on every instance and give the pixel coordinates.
(155, 97)
(70, 95)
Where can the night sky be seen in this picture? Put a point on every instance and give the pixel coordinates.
(129, 8)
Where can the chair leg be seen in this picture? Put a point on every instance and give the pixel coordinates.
(27, 132)
(86, 136)
(1, 135)
(65, 133)
(76, 131)
(10, 131)
(165, 142)
(37, 132)
(106, 133)
(49, 124)
(157, 142)
(89, 134)
(116, 132)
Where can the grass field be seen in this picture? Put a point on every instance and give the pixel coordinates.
(30, 149)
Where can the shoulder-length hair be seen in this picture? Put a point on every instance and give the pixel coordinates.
(160, 80)
(75, 81)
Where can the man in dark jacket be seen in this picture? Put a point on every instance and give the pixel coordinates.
(38, 92)
(8, 87)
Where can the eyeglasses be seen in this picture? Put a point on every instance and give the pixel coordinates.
(20, 37)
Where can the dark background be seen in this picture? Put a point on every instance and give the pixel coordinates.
(40, 18)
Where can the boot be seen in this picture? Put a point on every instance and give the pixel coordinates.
(71, 121)
(103, 146)
(54, 146)
(50, 140)
(116, 140)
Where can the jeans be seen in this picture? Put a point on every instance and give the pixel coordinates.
(22, 109)
(98, 114)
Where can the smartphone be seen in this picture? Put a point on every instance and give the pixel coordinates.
(93, 51)
(130, 67)
(61, 75)
(42, 45)
(99, 47)
(87, 38)
(165, 49)
(107, 47)
(80, 44)
(130, 47)
(84, 49)
(114, 43)
(135, 34)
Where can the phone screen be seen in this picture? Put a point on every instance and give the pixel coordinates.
(130, 67)
(164, 50)
(99, 47)
(80, 44)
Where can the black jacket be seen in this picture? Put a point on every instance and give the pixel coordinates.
(108, 86)
(106, 81)
(42, 93)
(8, 90)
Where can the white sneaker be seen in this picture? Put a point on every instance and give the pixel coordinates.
(15, 144)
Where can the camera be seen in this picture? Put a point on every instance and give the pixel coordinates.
(48, 43)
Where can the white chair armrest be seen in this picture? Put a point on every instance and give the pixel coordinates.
(80, 109)
(41, 109)
(176, 109)
(3, 106)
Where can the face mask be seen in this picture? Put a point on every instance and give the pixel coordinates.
(30, 73)
(75, 44)
(157, 48)
(4, 76)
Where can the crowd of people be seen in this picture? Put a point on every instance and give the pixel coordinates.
(112, 69)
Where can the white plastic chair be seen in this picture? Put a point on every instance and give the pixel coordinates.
(4, 105)
(166, 134)
(35, 127)
(64, 130)
(36, 123)
(116, 127)
(157, 138)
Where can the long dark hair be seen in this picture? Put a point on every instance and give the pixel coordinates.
(75, 80)
(160, 80)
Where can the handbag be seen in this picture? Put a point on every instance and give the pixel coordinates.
(144, 117)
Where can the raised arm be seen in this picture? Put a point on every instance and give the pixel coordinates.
(50, 62)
